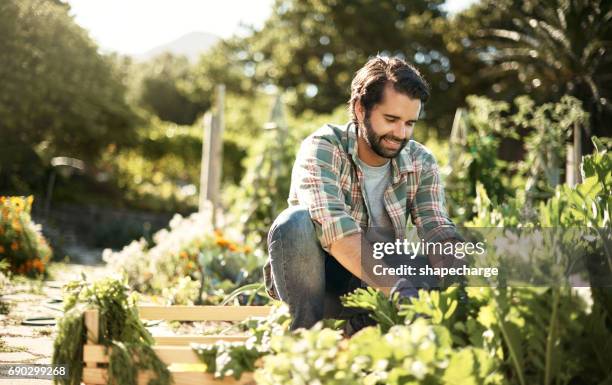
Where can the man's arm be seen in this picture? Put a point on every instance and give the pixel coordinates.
(348, 251)
(316, 181)
(430, 216)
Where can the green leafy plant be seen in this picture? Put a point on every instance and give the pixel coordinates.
(120, 329)
(228, 358)
(234, 358)
(383, 310)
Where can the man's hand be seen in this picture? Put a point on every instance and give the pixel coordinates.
(405, 289)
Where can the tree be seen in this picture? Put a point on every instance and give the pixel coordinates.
(58, 95)
(311, 50)
(547, 49)
(161, 89)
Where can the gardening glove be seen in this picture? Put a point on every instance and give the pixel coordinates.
(405, 288)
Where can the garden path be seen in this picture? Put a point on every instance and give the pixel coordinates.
(26, 299)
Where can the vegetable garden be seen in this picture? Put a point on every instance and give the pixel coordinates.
(466, 335)
(527, 165)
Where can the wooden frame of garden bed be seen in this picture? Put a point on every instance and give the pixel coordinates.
(171, 349)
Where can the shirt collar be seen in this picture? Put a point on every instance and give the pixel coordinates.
(401, 164)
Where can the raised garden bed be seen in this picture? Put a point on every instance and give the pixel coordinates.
(173, 350)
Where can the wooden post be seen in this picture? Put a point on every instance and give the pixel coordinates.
(205, 165)
(573, 156)
(570, 177)
(212, 155)
(458, 137)
(577, 153)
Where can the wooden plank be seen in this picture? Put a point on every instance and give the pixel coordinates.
(95, 353)
(97, 376)
(168, 354)
(92, 324)
(202, 313)
(92, 327)
(200, 339)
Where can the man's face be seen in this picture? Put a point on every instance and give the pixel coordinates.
(389, 124)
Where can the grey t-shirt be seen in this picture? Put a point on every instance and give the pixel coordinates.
(376, 180)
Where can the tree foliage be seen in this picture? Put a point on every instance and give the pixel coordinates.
(546, 49)
(162, 89)
(59, 96)
(311, 49)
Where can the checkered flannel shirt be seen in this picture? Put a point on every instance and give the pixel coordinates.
(327, 180)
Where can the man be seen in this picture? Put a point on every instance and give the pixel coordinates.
(353, 183)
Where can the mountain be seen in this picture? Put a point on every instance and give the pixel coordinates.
(191, 45)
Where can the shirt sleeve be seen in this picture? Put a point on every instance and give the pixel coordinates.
(428, 211)
(316, 181)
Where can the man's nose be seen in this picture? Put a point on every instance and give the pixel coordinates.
(400, 130)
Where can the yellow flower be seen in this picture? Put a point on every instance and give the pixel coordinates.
(17, 202)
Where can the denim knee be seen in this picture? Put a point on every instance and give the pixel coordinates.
(293, 224)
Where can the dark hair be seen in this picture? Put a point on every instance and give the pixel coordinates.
(369, 82)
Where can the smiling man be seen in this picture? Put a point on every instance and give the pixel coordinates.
(351, 184)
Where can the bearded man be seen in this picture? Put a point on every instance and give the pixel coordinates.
(351, 183)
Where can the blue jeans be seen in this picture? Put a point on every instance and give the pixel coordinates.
(303, 275)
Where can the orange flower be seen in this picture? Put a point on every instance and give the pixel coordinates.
(183, 254)
(14, 246)
(247, 249)
(1, 249)
(38, 265)
(222, 242)
(232, 247)
(218, 233)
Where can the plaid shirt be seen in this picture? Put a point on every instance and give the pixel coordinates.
(327, 180)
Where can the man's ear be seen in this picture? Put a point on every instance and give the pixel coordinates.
(359, 111)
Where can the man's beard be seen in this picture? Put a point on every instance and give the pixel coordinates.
(375, 140)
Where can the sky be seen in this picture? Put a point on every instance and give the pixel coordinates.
(133, 27)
